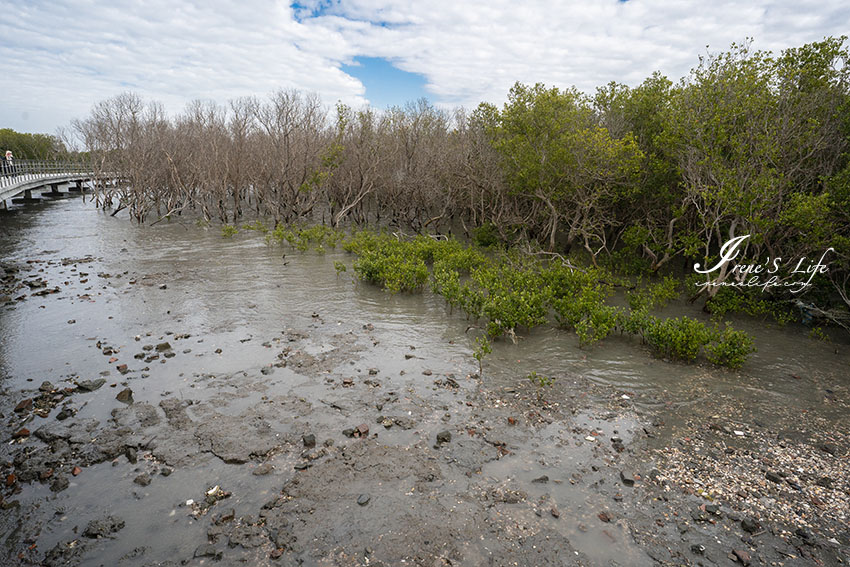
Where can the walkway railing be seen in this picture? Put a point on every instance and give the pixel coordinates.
(26, 169)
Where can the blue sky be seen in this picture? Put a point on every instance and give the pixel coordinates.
(57, 59)
(386, 85)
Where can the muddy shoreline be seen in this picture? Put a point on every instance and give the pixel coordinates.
(316, 437)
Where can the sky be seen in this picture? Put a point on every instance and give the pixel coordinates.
(57, 59)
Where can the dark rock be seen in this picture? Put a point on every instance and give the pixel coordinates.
(103, 528)
(64, 414)
(444, 437)
(122, 368)
(25, 405)
(263, 469)
(348, 432)
(21, 433)
(302, 466)
(161, 347)
(46, 387)
(742, 556)
(541, 479)
(805, 534)
(773, 477)
(90, 385)
(125, 396)
(750, 525)
(207, 550)
(266, 370)
(824, 482)
(555, 512)
(59, 484)
(604, 516)
(131, 454)
(309, 440)
(143, 479)
(627, 478)
(363, 499)
(373, 371)
(828, 448)
(697, 549)
(247, 536)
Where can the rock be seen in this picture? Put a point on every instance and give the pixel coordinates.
(362, 430)
(76, 471)
(161, 347)
(207, 550)
(427, 372)
(363, 499)
(627, 478)
(46, 387)
(742, 556)
(750, 525)
(310, 440)
(444, 437)
(276, 554)
(828, 448)
(773, 477)
(122, 368)
(555, 512)
(698, 549)
(263, 469)
(266, 370)
(64, 414)
(604, 516)
(90, 385)
(21, 433)
(125, 396)
(373, 371)
(131, 455)
(103, 528)
(806, 534)
(24, 405)
(302, 466)
(143, 479)
(59, 484)
(541, 479)
(348, 432)
(824, 482)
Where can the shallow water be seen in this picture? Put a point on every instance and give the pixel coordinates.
(235, 294)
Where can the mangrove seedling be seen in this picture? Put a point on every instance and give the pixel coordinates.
(482, 349)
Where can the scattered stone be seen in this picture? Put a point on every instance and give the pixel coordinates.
(303, 466)
(143, 479)
(122, 368)
(373, 371)
(363, 499)
(162, 347)
(21, 433)
(362, 430)
(604, 516)
(125, 396)
(207, 550)
(266, 370)
(309, 440)
(541, 479)
(103, 528)
(444, 437)
(76, 471)
(698, 549)
(741, 556)
(46, 386)
(555, 512)
(131, 454)
(24, 405)
(773, 477)
(263, 469)
(59, 484)
(627, 478)
(90, 385)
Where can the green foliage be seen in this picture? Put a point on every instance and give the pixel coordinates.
(339, 267)
(540, 380)
(486, 235)
(679, 338)
(31, 146)
(482, 349)
(729, 348)
(754, 304)
(228, 231)
(303, 239)
(819, 334)
(258, 226)
(654, 295)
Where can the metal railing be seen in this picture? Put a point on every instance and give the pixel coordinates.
(27, 169)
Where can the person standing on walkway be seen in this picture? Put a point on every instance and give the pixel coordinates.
(8, 164)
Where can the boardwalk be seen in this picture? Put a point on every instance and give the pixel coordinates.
(26, 176)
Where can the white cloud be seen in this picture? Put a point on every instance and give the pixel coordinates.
(57, 60)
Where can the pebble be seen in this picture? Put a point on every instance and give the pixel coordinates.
(363, 499)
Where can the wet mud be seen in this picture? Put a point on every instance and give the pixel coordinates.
(168, 397)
